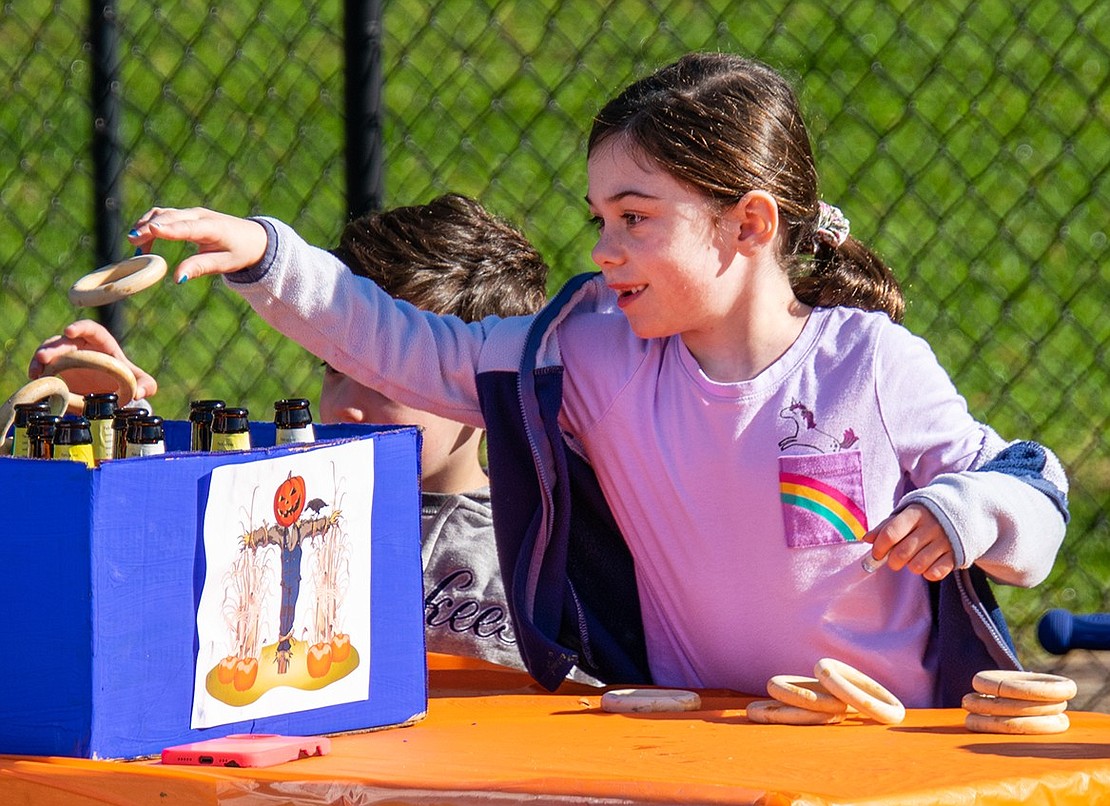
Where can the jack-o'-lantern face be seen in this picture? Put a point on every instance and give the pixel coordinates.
(289, 500)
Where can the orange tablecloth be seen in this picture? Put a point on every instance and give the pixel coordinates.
(491, 734)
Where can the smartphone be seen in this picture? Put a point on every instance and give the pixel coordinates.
(247, 750)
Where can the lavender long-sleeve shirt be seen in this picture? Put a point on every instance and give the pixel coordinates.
(742, 503)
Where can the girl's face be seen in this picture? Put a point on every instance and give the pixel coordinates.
(661, 246)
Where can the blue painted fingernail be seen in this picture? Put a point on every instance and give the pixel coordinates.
(138, 251)
(182, 279)
(133, 234)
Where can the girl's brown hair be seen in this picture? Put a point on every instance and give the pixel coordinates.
(726, 125)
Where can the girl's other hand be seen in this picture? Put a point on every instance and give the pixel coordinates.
(913, 539)
(85, 334)
(224, 243)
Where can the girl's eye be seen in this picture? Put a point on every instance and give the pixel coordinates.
(596, 222)
(631, 219)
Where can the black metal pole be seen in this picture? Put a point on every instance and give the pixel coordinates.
(362, 36)
(107, 152)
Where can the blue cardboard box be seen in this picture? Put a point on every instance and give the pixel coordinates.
(102, 573)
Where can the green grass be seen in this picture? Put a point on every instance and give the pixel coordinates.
(968, 143)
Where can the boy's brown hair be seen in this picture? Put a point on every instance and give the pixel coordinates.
(450, 256)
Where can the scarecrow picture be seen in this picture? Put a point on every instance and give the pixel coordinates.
(285, 608)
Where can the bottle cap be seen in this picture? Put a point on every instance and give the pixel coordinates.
(101, 405)
(202, 411)
(24, 412)
(73, 432)
(292, 413)
(145, 430)
(230, 420)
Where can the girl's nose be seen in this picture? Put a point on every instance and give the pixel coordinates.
(605, 252)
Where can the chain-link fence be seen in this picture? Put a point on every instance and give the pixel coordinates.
(969, 143)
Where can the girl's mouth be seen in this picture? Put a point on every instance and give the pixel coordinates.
(625, 296)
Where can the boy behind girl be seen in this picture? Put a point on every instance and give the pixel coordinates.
(450, 256)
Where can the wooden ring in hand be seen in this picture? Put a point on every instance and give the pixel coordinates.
(117, 281)
(100, 362)
(859, 691)
(804, 692)
(1024, 685)
(44, 388)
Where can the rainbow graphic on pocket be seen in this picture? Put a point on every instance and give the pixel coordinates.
(830, 505)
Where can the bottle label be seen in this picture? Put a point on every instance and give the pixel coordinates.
(287, 436)
(103, 439)
(145, 449)
(231, 442)
(21, 443)
(75, 453)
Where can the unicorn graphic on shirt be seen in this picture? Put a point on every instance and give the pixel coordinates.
(806, 434)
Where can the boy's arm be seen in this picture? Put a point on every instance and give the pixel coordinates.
(85, 334)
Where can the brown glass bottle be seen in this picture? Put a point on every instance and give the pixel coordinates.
(201, 415)
(100, 411)
(293, 421)
(21, 445)
(73, 441)
(145, 436)
(40, 435)
(119, 427)
(231, 430)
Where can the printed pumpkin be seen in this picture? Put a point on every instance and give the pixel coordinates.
(289, 500)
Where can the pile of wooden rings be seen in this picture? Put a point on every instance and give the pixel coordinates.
(835, 690)
(1026, 703)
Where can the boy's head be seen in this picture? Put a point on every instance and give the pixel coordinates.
(449, 256)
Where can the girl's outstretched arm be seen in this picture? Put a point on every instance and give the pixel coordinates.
(224, 243)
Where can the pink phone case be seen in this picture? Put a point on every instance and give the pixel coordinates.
(247, 750)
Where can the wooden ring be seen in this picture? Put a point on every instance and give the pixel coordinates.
(117, 281)
(54, 389)
(804, 692)
(1024, 685)
(649, 700)
(1022, 725)
(859, 691)
(775, 712)
(989, 705)
(102, 362)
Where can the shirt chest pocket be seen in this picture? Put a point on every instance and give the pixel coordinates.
(821, 497)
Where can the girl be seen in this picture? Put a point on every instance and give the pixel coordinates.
(691, 451)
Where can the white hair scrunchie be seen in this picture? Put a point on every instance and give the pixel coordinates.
(832, 227)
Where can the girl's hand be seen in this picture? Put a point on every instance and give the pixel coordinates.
(913, 539)
(224, 243)
(85, 334)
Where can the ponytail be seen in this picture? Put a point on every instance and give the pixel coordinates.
(852, 275)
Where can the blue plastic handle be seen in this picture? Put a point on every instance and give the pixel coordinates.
(1060, 631)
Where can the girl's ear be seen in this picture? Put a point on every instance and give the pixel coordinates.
(757, 218)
